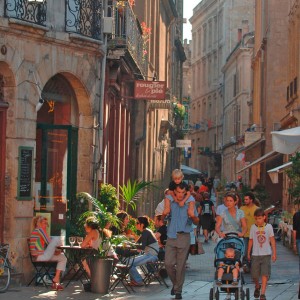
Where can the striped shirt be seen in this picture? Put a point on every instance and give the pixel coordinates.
(39, 240)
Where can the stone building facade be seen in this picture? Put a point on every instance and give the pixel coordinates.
(291, 116)
(217, 27)
(68, 118)
(50, 79)
(269, 65)
(236, 112)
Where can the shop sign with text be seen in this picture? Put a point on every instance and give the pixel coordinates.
(149, 90)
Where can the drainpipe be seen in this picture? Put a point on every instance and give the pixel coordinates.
(142, 137)
(101, 165)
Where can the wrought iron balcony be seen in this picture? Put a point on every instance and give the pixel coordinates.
(127, 34)
(27, 10)
(85, 17)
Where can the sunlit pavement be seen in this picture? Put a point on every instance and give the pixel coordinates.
(283, 284)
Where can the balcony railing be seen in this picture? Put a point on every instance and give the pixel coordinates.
(85, 17)
(127, 33)
(28, 11)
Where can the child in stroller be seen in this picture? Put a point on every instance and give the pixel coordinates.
(228, 276)
(229, 265)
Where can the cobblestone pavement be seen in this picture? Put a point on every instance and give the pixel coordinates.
(283, 284)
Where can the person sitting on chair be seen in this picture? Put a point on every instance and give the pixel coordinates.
(229, 265)
(43, 248)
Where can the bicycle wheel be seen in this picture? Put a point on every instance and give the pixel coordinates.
(4, 275)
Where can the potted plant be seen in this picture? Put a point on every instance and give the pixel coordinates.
(131, 192)
(100, 263)
(107, 195)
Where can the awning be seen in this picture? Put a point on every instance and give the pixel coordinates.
(286, 141)
(189, 171)
(259, 160)
(273, 173)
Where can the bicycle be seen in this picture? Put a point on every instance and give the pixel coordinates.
(5, 268)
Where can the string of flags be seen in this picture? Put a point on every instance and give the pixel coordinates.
(203, 125)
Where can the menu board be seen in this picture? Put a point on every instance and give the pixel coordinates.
(25, 173)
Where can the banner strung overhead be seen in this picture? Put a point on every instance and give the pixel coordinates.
(149, 90)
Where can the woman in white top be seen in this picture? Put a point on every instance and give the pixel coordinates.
(93, 240)
(231, 219)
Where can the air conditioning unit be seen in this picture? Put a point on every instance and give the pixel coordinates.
(107, 25)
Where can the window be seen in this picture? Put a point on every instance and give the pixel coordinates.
(204, 37)
(291, 89)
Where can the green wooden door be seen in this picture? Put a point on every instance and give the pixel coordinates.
(56, 175)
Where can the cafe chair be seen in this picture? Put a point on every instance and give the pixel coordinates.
(121, 269)
(155, 271)
(42, 269)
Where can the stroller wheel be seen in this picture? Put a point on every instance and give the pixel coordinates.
(236, 294)
(242, 295)
(247, 294)
(217, 295)
(211, 294)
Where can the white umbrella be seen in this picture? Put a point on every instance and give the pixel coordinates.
(286, 141)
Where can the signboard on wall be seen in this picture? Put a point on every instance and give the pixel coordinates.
(25, 173)
(183, 143)
(149, 90)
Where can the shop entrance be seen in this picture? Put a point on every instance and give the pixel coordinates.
(56, 170)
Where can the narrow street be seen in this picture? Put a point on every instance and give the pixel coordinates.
(283, 284)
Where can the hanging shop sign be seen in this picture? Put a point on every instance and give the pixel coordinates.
(183, 143)
(150, 90)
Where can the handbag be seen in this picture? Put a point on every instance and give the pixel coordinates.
(193, 249)
(200, 249)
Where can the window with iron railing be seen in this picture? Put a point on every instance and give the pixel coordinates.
(85, 17)
(27, 10)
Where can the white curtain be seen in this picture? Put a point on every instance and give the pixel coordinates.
(286, 141)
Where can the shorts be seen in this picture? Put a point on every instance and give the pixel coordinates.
(206, 221)
(260, 265)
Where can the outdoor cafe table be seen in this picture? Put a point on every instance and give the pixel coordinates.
(75, 255)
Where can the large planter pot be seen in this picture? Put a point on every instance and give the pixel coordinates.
(101, 269)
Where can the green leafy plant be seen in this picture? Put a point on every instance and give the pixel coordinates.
(131, 192)
(131, 226)
(102, 217)
(107, 195)
(294, 175)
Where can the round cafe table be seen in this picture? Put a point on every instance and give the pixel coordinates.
(75, 255)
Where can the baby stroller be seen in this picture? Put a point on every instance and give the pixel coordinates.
(231, 240)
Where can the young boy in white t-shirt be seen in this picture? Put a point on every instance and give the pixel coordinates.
(264, 248)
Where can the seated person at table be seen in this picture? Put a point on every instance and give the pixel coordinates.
(231, 265)
(161, 231)
(124, 219)
(93, 240)
(43, 248)
(150, 247)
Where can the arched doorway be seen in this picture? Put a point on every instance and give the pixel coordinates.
(56, 154)
(7, 96)
(3, 108)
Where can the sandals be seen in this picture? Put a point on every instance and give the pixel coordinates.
(257, 292)
(262, 297)
(56, 286)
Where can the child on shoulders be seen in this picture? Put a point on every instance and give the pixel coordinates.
(177, 177)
